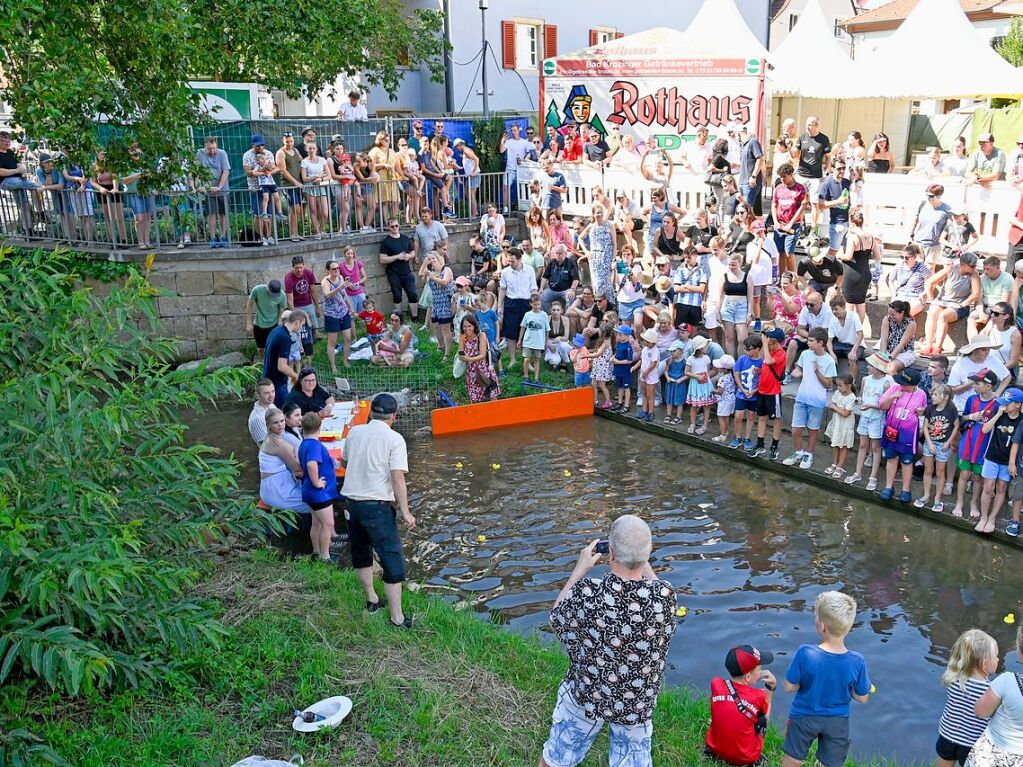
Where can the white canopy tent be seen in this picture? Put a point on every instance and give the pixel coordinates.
(718, 26)
(935, 53)
(809, 60)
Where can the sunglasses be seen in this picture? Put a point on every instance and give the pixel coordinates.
(908, 258)
(930, 196)
(996, 314)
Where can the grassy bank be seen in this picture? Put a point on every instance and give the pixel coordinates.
(456, 692)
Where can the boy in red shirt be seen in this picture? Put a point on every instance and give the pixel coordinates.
(738, 710)
(769, 393)
(374, 322)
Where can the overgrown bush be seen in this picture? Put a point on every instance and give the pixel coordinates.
(104, 509)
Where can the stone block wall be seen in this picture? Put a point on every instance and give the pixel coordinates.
(204, 291)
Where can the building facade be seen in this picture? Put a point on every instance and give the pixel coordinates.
(785, 14)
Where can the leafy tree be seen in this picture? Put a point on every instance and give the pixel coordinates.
(69, 63)
(104, 508)
(1011, 47)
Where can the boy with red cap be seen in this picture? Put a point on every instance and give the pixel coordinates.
(738, 710)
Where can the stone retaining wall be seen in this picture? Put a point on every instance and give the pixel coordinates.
(208, 289)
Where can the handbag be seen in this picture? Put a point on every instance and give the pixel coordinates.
(712, 178)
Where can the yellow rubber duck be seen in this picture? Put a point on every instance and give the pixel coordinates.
(567, 473)
(481, 539)
(459, 465)
(1010, 618)
(495, 466)
(681, 612)
(872, 689)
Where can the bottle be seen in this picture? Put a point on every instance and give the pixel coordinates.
(308, 716)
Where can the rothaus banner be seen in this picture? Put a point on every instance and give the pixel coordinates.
(657, 100)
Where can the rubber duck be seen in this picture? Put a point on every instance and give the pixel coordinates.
(1010, 618)
(481, 539)
(681, 612)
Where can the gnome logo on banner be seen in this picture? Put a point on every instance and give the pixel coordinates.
(578, 108)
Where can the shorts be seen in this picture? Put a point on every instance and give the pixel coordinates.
(294, 195)
(261, 334)
(905, 458)
(992, 470)
(836, 235)
(573, 733)
(365, 190)
(807, 416)
(256, 202)
(514, 310)
(735, 310)
(142, 204)
(769, 405)
(582, 379)
(1016, 489)
(712, 316)
(745, 404)
(216, 205)
(685, 313)
(964, 465)
(373, 527)
(726, 406)
(939, 454)
(813, 187)
(932, 254)
(830, 732)
(623, 378)
(440, 320)
(952, 752)
(319, 505)
(403, 282)
(785, 242)
(337, 324)
(529, 354)
(268, 189)
(511, 176)
(626, 310)
(961, 311)
(872, 428)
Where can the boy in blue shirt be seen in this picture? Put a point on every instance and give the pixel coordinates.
(825, 677)
(624, 356)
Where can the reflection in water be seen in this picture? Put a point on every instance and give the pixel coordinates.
(747, 552)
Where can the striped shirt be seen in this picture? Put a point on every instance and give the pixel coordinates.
(693, 278)
(958, 723)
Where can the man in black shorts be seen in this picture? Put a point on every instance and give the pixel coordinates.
(690, 284)
(518, 283)
(376, 462)
(396, 252)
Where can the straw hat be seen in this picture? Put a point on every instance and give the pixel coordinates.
(649, 335)
(879, 360)
(663, 283)
(647, 280)
(980, 342)
(782, 325)
(699, 342)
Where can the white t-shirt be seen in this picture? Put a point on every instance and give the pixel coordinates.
(357, 112)
(965, 367)
(257, 423)
(716, 279)
(1005, 728)
(515, 151)
(373, 451)
(846, 333)
(809, 320)
(762, 257)
(498, 222)
(811, 392)
(315, 168)
(698, 157)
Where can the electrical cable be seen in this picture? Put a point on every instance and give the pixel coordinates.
(472, 85)
(467, 63)
(499, 68)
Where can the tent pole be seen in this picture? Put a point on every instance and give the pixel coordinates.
(799, 112)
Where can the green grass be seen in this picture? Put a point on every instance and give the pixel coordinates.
(457, 691)
(430, 369)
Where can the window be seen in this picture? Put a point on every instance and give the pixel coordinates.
(793, 18)
(997, 40)
(527, 46)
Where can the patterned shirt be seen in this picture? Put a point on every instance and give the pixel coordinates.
(617, 634)
(693, 278)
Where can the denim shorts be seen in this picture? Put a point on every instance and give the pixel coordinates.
(372, 526)
(294, 195)
(141, 204)
(830, 732)
(870, 427)
(573, 733)
(905, 458)
(337, 324)
(582, 379)
(627, 309)
(939, 454)
(785, 242)
(994, 470)
(735, 310)
(836, 235)
(806, 416)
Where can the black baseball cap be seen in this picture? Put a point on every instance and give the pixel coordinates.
(274, 286)
(911, 377)
(985, 375)
(384, 404)
(743, 658)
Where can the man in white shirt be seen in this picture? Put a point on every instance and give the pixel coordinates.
(376, 462)
(265, 392)
(518, 283)
(845, 333)
(514, 150)
(814, 315)
(353, 110)
(976, 358)
(698, 155)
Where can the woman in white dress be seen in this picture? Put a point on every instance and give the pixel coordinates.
(278, 466)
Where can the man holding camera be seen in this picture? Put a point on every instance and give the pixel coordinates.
(738, 710)
(616, 630)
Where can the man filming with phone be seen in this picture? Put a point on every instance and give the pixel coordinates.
(616, 630)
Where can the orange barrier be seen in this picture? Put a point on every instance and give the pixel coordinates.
(515, 411)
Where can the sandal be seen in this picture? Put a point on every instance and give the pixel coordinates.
(667, 419)
(872, 483)
(830, 470)
(701, 431)
(853, 478)
(938, 507)
(837, 473)
(691, 430)
(721, 438)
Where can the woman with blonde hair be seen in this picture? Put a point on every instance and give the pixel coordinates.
(1001, 745)
(279, 467)
(384, 161)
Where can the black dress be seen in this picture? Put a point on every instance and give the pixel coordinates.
(878, 166)
(857, 275)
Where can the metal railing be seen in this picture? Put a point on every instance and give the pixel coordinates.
(120, 220)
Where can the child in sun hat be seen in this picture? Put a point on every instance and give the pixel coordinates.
(580, 360)
(724, 390)
(624, 355)
(700, 393)
(871, 425)
(676, 387)
(648, 374)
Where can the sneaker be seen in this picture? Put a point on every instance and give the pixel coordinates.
(807, 461)
(905, 496)
(947, 489)
(773, 455)
(870, 461)
(747, 445)
(214, 242)
(405, 624)
(887, 494)
(224, 242)
(758, 451)
(181, 244)
(374, 606)
(793, 459)
(265, 242)
(756, 326)
(1012, 529)
(787, 379)
(272, 240)
(735, 443)
(188, 238)
(920, 502)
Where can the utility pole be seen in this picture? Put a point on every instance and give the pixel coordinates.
(483, 19)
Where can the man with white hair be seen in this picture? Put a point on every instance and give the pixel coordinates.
(616, 630)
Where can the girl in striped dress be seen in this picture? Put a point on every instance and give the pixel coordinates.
(974, 658)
